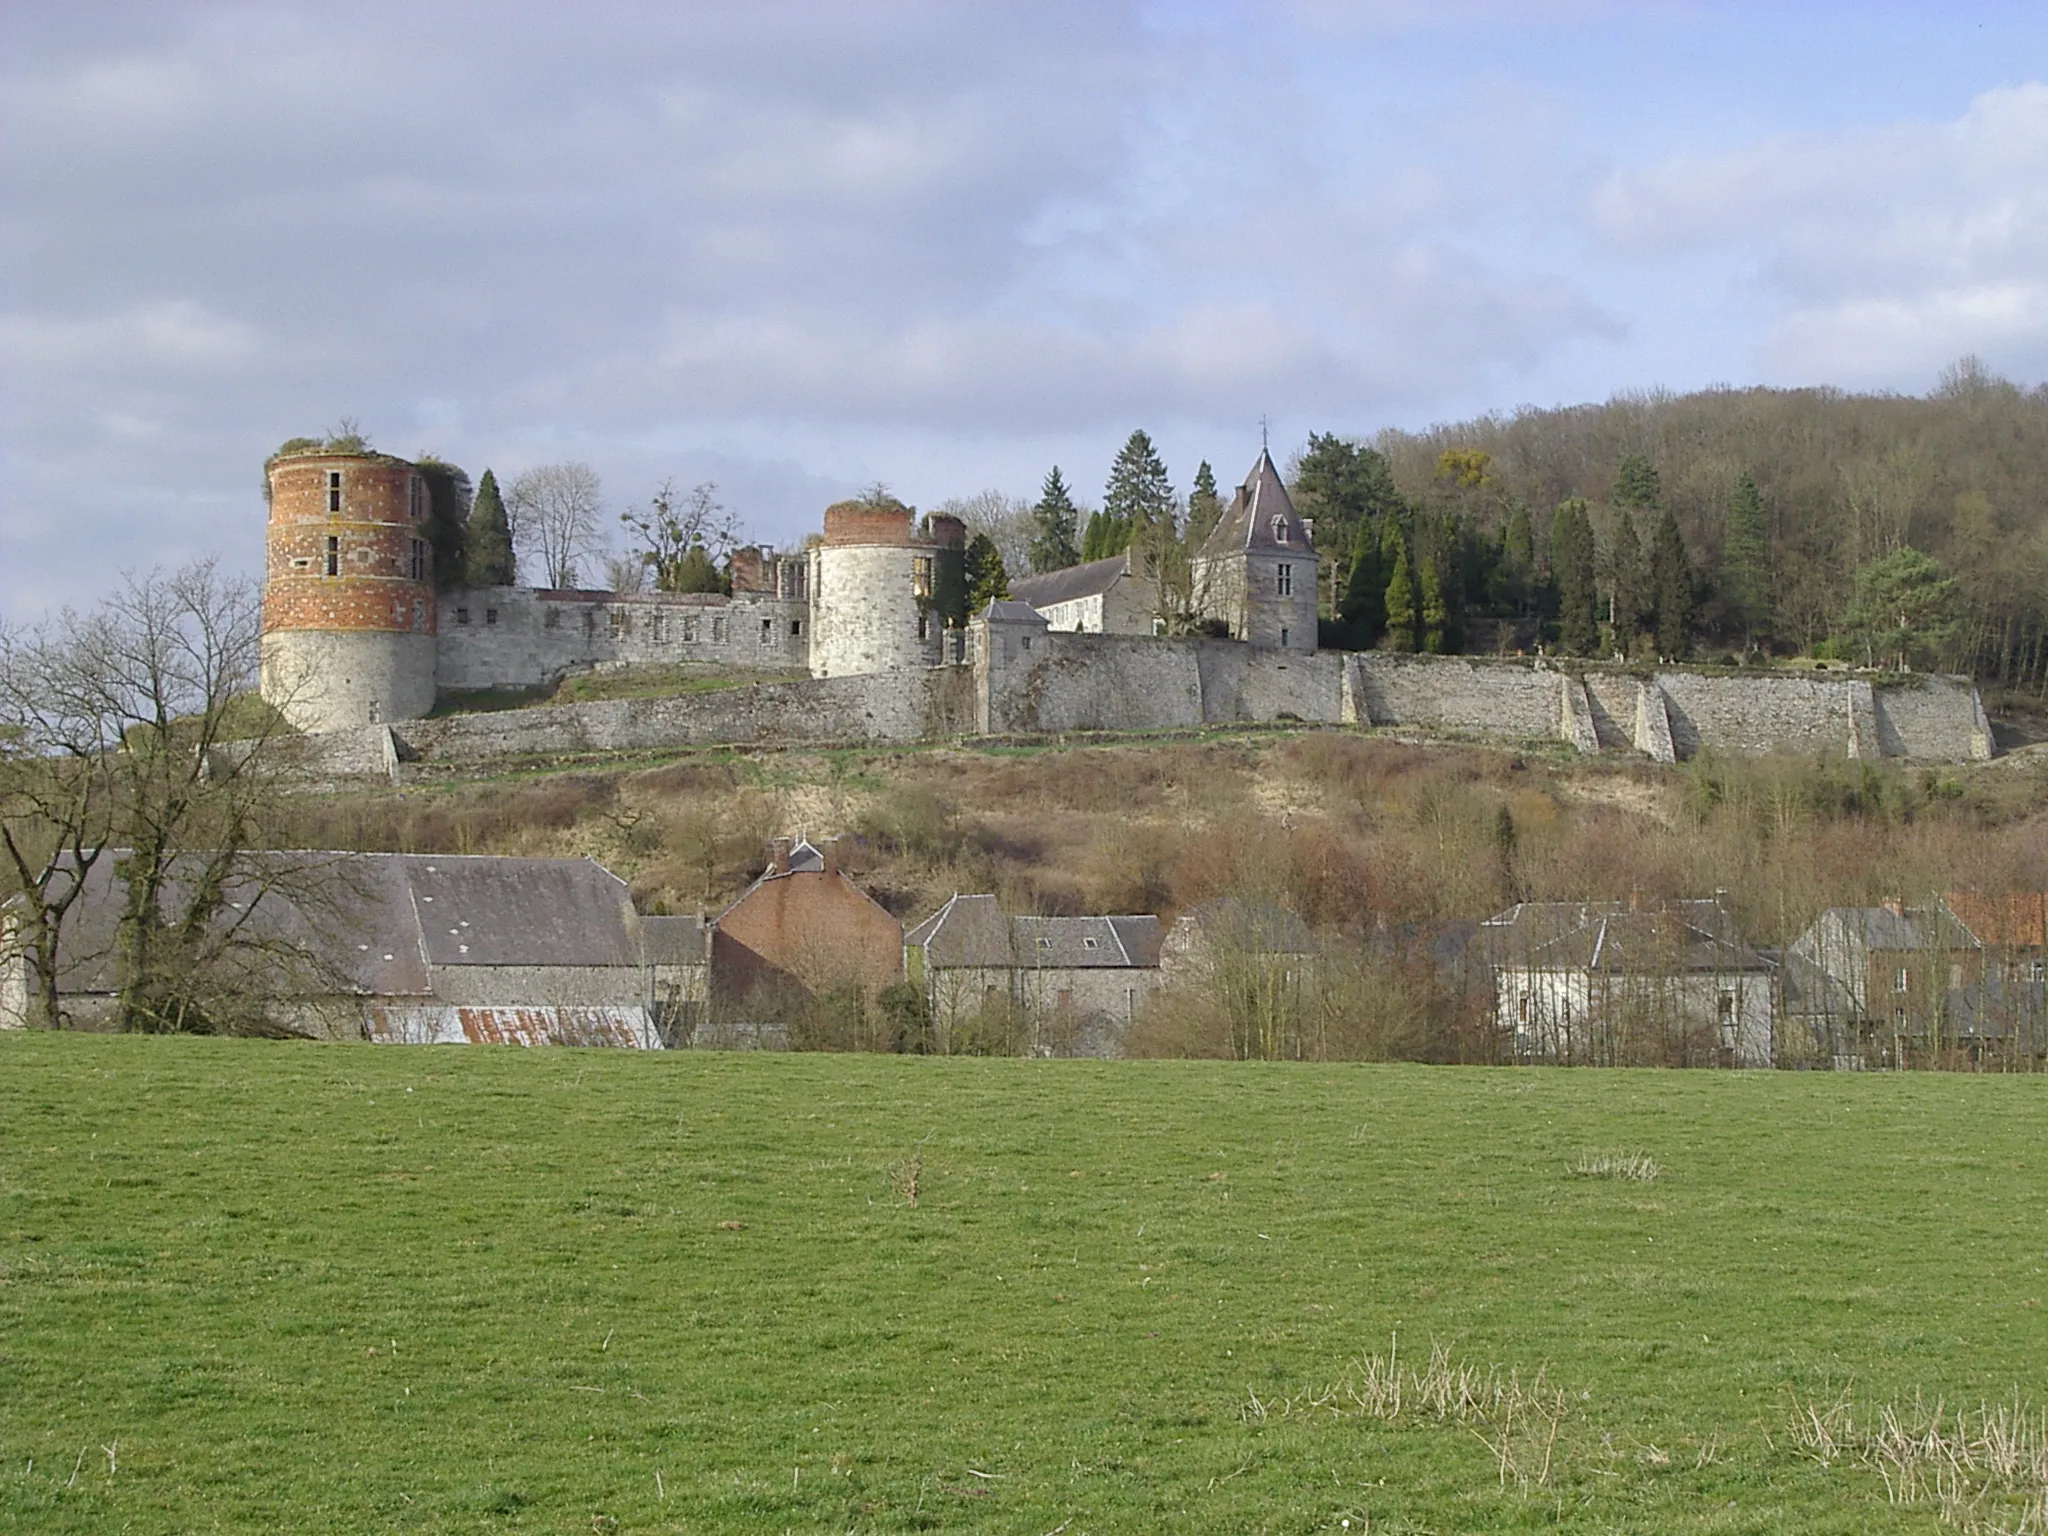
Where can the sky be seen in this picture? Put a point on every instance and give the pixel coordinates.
(799, 249)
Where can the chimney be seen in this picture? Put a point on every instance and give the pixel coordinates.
(1896, 905)
(778, 855)
(830, 849)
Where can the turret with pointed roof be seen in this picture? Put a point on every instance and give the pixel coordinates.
(1256, 572)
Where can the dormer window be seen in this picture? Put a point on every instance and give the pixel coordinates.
(1279, 530)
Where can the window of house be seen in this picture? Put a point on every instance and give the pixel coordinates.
(618, 622)
(1025, 641)
(1902, 980)
(796, 629)
(1280, 532)
(462, 615)
(333, 493)
(333, 555)
(1522, 1009)
(1284, 633)
(1725, 1005)
(490, 615)
(921, 575)
(2038, 970)
(1090, 944)
(1283, 580)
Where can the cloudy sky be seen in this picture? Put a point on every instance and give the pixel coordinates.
(796, 249)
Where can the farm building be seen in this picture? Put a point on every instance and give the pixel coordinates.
(801, 930)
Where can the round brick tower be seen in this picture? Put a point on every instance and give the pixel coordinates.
(871, 586)
(348, 594)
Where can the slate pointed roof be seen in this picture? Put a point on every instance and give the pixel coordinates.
(1259, 518)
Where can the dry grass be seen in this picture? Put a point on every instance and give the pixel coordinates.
(1639, 1167)
(1984, 1472)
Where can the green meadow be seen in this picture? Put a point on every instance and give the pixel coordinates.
(250, 1286)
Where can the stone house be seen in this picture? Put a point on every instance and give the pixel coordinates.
(406, 948)
(1255, 574)
(1103, 597)
(1616, 983)
(1072, 985)
(802, 929)
(1900, 970)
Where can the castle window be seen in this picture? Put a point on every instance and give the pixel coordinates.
(921, 577)
(333, 555)
(718, 630)
(462, 615)
(1283, 639)
(490, 615)
(659, 627)
(333, 493)
(689, 630)
(1283, 580)
(419, 498)
(924, 626)
(1279, 530)
(1025, 641)
(767, 631)
(796, 629)
(418, 566)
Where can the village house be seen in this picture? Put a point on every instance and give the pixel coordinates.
(401, 948)
(1062, 986)
(1620, 983)
(1103, 597)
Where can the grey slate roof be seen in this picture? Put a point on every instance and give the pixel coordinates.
(1916, 928)
(1009, 611)
(1260, 518)
(675, 940)
(1263, 927)
(1608, 937)
(379, 923)
(1076, 581)
(973, 932)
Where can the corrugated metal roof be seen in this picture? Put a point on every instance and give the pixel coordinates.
(619, 1027)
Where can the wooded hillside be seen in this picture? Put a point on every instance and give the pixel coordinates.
(1879, 527)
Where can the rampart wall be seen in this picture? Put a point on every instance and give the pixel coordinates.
(1025, 679)
(520, 637)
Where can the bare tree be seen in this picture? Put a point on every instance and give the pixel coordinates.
(681, 538)
(554, 512)
(1007, 520)
(133, 745)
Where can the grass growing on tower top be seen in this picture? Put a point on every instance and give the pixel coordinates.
(253, 1287)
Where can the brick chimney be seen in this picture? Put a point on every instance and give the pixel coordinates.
(778, 855)
(830, 849)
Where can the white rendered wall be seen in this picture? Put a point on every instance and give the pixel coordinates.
(321, 680)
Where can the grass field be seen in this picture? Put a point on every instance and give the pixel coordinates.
(248, 1286)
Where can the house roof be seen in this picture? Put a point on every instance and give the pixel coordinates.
(1609, 937)
(1076, 581)
(1262, 926)
(973, 932)
(1811, 992)
(380, 923)
(1913, 928)
(1260, 518)
(1007, 611)
(667, 940)
(2003, 920)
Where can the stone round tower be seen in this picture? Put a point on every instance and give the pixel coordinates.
(871, 589)
(348, 593)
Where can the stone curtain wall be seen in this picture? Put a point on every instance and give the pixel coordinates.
(1069, 682)
(517, 637)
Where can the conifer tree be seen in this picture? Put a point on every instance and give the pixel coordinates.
(1402, 608)
(1053, 525)
(1518, 561)
(1671, 589)
(1364, 607)
(1435, 612)
(1630, 607)
(487, 552)
(1571, 568)
(987, 581)
(1745, 561)
(1205, 507)
(1139, 496)
(1635, 484)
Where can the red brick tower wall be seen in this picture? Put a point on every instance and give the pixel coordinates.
(380, 522)
(849, 523)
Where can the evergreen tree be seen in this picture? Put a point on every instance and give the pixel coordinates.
(1435, 612)
(1099, 540)
(1139, 495)
(1401, 604)
(1205, 507)
(695, 572)
(1364, 607)
(1571, 569)
(987, 581)
(487, 539)
(1671, 589)
(1053, 524)
(1745, 561)
(1903, 611)
(1635, 484)
(1518, 562)
(1631, 604)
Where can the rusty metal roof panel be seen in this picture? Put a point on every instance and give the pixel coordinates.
(623, 1028)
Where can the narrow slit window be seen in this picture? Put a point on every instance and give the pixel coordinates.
(333, 555)
(333, 492)
(418, 566)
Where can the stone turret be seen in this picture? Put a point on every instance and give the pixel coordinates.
(873, 584)
(348, 595)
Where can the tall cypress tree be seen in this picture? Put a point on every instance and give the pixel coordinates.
(1571, 567)
(1364, 608)
(1053, 525)
(987, 581)
(1436, 613)
(1745, 561)
(487, 552)
(1629, 582)
(1671, 589)
(1518, 562)
(1403, 608)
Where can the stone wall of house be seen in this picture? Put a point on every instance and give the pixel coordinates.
(520, 637)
